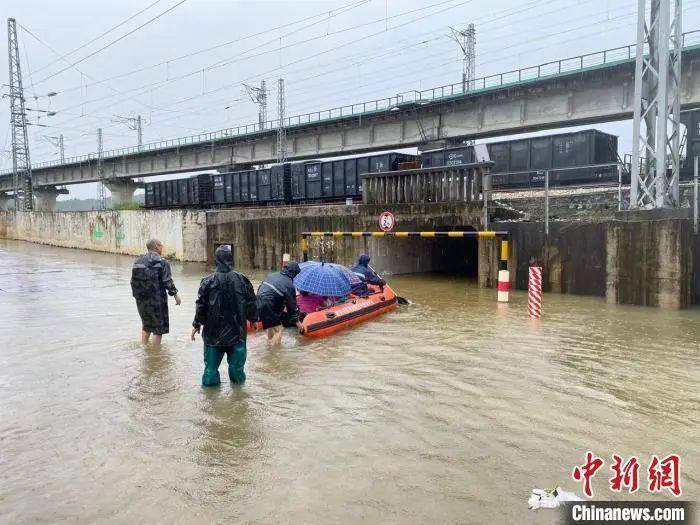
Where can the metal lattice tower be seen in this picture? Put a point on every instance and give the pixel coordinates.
(135, 124)
(281, 131)
(656, 149)
(58, 143)
(259, 96)
(101, 189)
(466, 39)
(21, 163)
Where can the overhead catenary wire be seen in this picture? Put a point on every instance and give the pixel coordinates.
(110, 44)
(111, 88)
(352, 5)
(315, 76)
(336, 12)
(240, 57)
(483, 63)
(100, 36)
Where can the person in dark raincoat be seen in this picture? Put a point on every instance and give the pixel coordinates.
(225, 303)
(366, 274)
(275, 294)
(151, 283)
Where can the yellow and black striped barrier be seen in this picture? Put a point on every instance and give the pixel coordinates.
(403, 235)
(480, 234)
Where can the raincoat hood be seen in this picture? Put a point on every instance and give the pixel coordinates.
(291, 269)
(223, 258)
(363, 259)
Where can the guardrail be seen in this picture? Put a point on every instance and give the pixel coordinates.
(564, 66)
(439, 184)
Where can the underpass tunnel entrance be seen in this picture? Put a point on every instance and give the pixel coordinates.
(459, 256)
(442, 250)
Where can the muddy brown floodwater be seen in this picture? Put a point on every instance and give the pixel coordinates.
(450, 410)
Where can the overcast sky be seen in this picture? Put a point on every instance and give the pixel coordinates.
(329, 52)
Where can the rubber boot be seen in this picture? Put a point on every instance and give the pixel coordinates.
(212, 360)
(236, 363)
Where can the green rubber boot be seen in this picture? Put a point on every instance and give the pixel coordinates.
(212, 360)
(236, 362)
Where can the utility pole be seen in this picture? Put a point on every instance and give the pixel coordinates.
(21, 163)
(57, 142)
(133, 123)
(656, 149)
(101, 190)
(281, 131)
(259, 96)
(466, 39)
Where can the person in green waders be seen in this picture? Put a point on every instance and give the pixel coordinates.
(226, 301)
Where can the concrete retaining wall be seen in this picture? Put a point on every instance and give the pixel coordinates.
(182, 232)
(638, 259)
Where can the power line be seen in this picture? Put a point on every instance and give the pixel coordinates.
(110, 44)
(336, 12)
(98, 37)
(82, 73)
(240, 57)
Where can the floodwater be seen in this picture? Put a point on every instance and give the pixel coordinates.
(447, 411)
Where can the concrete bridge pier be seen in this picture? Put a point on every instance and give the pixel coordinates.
(6, 201)
(122, 190)
(46, 197)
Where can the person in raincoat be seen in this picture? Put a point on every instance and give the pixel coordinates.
(151, 283)
(310, 302)
(224, 305)
(275, 294)
(366, 274)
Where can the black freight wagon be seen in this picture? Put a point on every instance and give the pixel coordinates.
(447, 157)
(191, 191)
(519, 163)
(571, 158)
(339, 179)
(262, 186)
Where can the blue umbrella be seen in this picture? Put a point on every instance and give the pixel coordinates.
(352, 276)
(324, 279)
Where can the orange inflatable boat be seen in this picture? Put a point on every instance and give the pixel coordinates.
(353, 311)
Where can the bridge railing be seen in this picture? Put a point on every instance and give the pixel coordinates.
(399, 101)
(426, 185)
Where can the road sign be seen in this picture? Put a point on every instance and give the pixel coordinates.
(387, 221)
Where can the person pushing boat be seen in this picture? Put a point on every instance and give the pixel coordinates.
(275, 294)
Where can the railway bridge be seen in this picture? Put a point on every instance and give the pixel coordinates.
(586, 89)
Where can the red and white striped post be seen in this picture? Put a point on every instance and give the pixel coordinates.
(534, 292)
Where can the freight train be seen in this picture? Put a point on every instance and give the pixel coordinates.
(584, 157)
